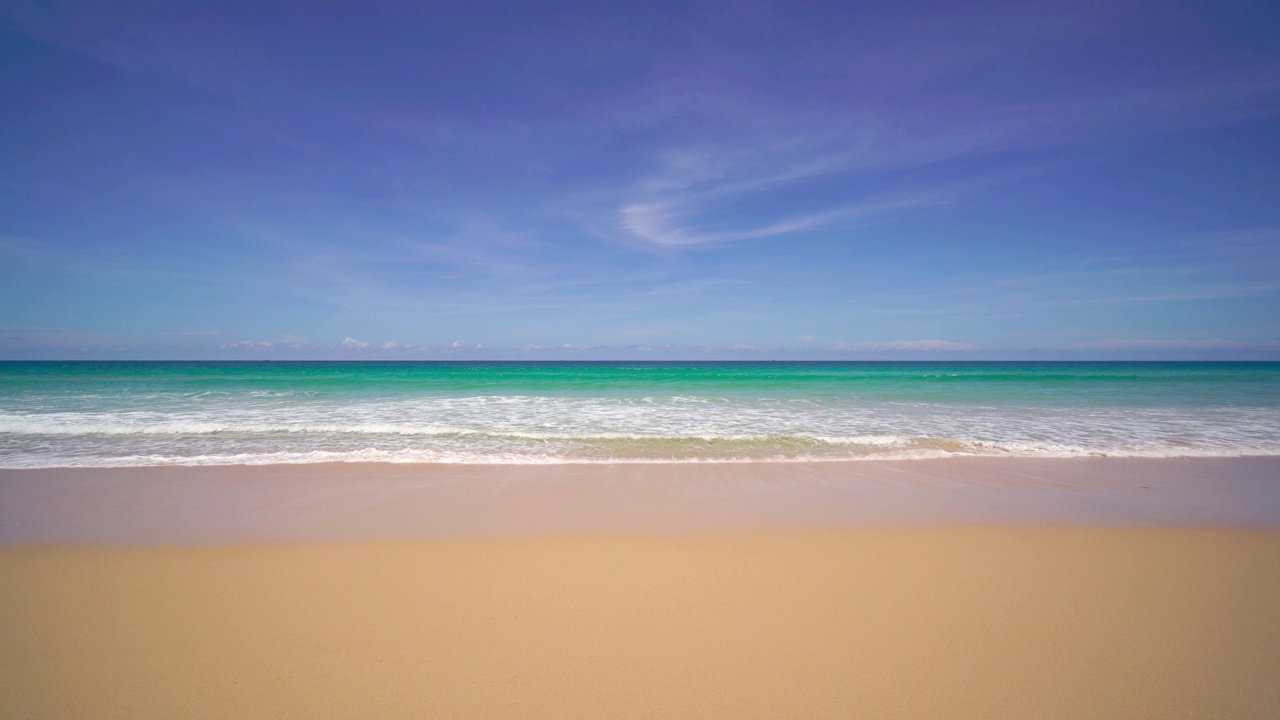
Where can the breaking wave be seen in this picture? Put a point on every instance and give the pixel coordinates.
(275, 428)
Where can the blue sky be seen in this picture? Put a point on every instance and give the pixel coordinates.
(593, 180)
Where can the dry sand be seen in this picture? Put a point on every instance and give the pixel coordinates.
(894, 623)
(933, 621)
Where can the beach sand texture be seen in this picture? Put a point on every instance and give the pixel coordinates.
(941, 622)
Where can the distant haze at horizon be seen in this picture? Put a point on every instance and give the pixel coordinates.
(579, 181)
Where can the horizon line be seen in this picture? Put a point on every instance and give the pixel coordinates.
(637, 360)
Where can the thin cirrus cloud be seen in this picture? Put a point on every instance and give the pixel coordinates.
(673, 204)
(663, 223)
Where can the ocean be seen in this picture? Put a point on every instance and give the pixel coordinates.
(120, 414)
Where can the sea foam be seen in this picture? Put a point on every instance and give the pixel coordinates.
(565, 414)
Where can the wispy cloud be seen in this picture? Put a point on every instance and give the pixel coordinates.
(783, 152)
(666, 223)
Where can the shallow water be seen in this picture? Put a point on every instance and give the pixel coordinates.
(140, 413)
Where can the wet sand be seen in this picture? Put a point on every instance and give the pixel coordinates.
(328, 502)
(1037, 589)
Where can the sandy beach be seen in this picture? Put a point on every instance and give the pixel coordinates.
(716, 360)
(1029, 589)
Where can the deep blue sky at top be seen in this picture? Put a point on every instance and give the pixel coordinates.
(745, 179)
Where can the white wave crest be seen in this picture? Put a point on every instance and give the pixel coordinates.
(549, 429)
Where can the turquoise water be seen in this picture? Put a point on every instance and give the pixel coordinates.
(122, 414)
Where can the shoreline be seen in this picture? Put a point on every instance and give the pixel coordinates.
(349, 501)
(656, 462)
